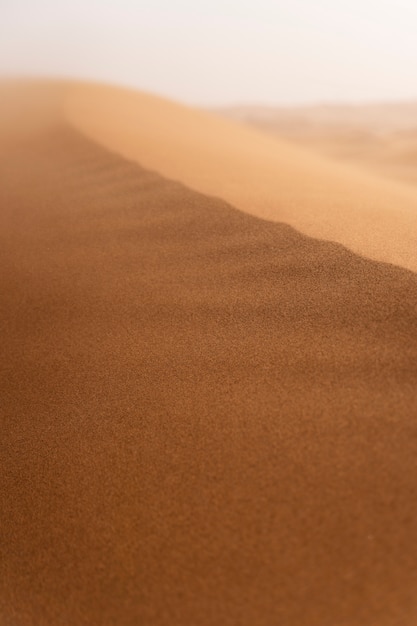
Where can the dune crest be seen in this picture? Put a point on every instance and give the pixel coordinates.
(270, 179)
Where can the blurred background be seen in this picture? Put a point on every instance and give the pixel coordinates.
(338, 76)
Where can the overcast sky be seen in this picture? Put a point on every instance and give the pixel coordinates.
(220, 51)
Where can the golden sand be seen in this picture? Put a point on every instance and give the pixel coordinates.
(207, 417)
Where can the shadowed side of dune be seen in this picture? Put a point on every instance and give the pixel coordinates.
(207, 418)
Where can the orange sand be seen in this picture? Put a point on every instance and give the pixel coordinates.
(270, 179)
(207, 417)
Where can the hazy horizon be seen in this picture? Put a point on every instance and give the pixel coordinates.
(221, 53)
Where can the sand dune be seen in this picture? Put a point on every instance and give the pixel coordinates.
(270, 179)
(381, 137)
(207, 417)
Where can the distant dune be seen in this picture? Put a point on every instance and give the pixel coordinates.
(381, 137)
(209, 389)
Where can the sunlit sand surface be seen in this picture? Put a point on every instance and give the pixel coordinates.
(380, 137)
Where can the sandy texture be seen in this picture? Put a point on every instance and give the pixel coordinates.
(260, 175)
(257, 174)
(207, 418)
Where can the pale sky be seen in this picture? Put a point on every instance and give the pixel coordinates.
(220, 51)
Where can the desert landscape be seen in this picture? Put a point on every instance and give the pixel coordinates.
(382, 137)
(209, 357)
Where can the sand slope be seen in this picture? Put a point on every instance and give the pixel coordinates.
(379, 137)
(270, 179)
(207, 418)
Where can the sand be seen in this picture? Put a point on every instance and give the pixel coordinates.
(271, 179)
(382, 137)
(207, 417)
